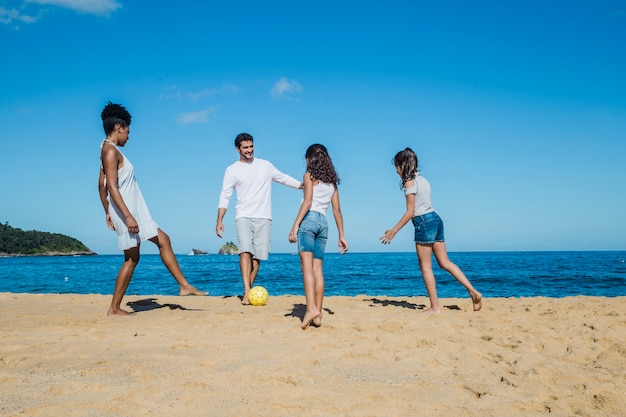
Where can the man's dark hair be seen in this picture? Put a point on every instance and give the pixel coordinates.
(114, 114)
(242, 137)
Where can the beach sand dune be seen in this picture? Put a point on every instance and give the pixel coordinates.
(60, 355)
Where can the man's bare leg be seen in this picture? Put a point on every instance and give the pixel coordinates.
(246, 268)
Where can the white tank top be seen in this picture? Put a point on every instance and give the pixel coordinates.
(322, 195)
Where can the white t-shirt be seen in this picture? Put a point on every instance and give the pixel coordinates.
(252, 181)
(421, 189)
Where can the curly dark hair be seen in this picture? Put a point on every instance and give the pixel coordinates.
(407, 161)
(243, 137)
(114, 114)
(320, 166)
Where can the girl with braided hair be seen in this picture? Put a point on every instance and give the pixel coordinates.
(126, 211)
(310, 229)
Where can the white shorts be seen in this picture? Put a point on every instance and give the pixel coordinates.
(254, 236)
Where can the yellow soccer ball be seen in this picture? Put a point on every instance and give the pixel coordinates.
(258, 296)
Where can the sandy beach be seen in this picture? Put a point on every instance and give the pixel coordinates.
(60, 355)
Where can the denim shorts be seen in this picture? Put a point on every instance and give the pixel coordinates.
(428, 228)
(253, 236)
(313, 234)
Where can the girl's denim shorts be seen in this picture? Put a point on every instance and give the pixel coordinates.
(313, 234)
(428, 228)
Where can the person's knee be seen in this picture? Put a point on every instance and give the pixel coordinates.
(164, 238)
(446, 264)
(317, 264)
(131, 257)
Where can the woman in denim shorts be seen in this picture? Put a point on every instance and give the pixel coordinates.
(428, 230)
(310, 229)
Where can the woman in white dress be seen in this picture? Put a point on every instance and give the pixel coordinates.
(126, 211)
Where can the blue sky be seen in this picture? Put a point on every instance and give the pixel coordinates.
(516, 109)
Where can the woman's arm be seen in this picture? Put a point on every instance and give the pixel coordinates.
(102, 190)
(304, 207)
(408, 215)
(343, 245)
(110, 159)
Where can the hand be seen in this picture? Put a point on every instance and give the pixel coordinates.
(343, 246)
(131, 223)
(219, 229)
(293, 235)
(388, 236)
(109, 222)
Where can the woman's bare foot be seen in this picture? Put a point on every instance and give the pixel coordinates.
(477, 300)
(431, 311)
(308, 318)
(190, 290)
(317, 322)
(118, 312)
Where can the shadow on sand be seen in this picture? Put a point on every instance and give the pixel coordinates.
(395, 303)
(405, 304)
(299, 310)
(149, 304)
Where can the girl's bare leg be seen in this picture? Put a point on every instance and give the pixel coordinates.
(162, 240)
(308, 277)
(441, 254)
(319, 290)
(424, 255)
(131, 259)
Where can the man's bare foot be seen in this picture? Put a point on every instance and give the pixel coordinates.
(191, 290)
(118, 312)
(431, 311)
(308, 318)
(477, 300)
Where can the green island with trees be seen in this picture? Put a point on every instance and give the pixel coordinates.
(17, 242)
(228, 249)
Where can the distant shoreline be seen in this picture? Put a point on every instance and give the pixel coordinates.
(22, 255)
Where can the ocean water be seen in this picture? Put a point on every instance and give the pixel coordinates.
(495, 274)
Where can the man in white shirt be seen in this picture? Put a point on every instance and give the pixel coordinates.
(252, 179)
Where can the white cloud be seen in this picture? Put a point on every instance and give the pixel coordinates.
(9, 15)
(210, 92)
(285, 88)
(201, 116)
(97, 7)
(171, 93)
(175, 93)
(31, 10)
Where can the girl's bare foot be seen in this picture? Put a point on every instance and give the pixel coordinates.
(317, 322)
(308, 318)
(191, 290)
(477, 300)
(244, 299)
(431, 311)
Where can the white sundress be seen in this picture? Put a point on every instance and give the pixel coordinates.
(129, 189)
